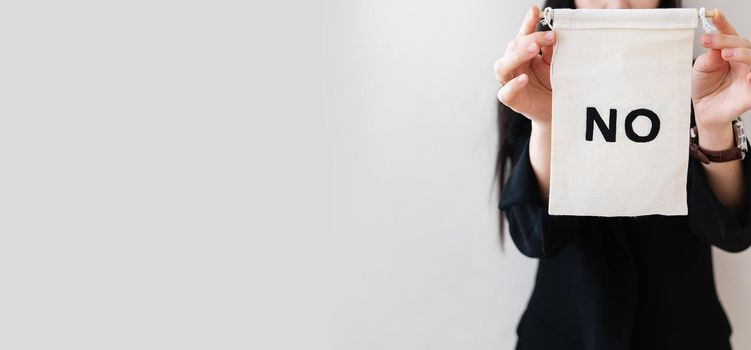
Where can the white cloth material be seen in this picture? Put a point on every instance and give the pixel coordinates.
(633, 66)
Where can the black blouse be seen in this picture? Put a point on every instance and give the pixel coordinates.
(627, 282)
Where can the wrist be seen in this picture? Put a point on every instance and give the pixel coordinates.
(539, 156)
(716, 138)
(541, 127)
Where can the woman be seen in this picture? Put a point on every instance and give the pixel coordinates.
(624, 283)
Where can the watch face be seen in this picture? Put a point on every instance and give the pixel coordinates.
(740, 135)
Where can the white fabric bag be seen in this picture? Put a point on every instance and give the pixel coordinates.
(629, 70)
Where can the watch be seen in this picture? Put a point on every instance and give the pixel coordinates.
(707, 156)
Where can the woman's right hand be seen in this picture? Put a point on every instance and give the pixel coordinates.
(526, 73)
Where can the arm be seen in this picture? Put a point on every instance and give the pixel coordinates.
(524, 75)
(725, 178)
(721, 91)
(539, 156)
(534, 232)
(711, 219)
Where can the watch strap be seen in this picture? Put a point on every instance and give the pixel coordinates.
(707, 156)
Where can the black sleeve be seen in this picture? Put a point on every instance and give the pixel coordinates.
(709, 219)
(535, 232)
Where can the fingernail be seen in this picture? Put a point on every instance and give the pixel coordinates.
(549, 36)
(707, 40)
(532, 48)
(522, 79)
(728, 52)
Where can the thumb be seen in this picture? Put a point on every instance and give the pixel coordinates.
(547, 54)
(508, 93)
(710, 62)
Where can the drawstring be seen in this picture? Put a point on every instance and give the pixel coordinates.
(708, 27)
(548, 17)
(704, 22)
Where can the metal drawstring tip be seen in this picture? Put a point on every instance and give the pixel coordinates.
(708, 27)
(547, 17)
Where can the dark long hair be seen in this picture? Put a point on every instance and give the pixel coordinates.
(512, 125)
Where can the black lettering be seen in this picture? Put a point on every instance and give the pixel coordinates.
(608, 131)
(630, 127)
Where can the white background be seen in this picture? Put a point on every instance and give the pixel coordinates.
(230, 175)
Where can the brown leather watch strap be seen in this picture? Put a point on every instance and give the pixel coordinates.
(707, 156)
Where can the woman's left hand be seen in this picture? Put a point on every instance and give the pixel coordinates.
(721, 89)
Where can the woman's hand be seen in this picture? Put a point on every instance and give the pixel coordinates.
(525, 76)
(526, 73)
(721, 88)
(722, 92)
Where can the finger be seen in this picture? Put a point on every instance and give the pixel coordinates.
(721, 41)
(521, 51)
(547, 54)
(722, 23)
(508, 93)
(737, 55)
(529, 25)
(546, 38)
